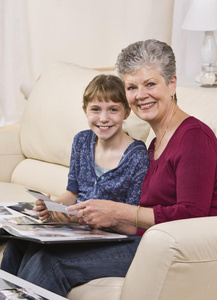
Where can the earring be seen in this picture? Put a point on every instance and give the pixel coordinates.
(172, 97)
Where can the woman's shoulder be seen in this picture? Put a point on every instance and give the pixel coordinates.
(194, 133)
(192, 123)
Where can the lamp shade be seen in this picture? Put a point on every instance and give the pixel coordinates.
(202, 16)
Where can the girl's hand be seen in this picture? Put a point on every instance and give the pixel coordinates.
(47, 216)
(62, 218)
(41, 210)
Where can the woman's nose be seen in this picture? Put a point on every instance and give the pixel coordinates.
(141, 93)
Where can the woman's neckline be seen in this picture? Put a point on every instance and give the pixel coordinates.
(170, 140)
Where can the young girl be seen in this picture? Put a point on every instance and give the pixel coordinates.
(105, 163)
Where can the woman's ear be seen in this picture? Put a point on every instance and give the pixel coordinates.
(173, 82)
(127, 113)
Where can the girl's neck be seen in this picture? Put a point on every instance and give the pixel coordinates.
(115, 143)
(108, 153)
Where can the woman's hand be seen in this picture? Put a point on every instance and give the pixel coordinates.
(96, 213)
(102, 214)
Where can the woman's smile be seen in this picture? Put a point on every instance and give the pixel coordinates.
(146, 106)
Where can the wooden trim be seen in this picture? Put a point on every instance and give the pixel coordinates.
(15, 127)
(105, 69)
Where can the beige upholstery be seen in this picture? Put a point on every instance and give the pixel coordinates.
(103, 288)
(175, 260)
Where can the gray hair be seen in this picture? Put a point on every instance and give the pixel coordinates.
(149, 54)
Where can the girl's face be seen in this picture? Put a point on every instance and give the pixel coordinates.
(105, 118)
(148, 94)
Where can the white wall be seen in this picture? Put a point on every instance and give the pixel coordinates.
(92, 32)
(36, 33)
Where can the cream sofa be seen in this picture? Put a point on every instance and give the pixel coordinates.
(175, 260)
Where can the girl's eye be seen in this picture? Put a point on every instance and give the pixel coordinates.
(114, 109)
(94, 109)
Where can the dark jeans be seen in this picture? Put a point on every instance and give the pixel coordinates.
(61, 267)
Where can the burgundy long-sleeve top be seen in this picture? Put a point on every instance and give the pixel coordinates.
(182, 182)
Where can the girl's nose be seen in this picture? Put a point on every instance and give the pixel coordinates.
(104, 116)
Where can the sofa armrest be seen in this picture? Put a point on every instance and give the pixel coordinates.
(175, 260)
(10, 153)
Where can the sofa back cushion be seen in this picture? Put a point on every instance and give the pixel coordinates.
(200, 103)
(39, 175)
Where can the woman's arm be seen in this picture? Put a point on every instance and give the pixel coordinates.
(194, 166)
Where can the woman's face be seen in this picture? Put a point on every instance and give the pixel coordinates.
(148, 94)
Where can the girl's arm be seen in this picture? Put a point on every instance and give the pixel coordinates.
(137, 168)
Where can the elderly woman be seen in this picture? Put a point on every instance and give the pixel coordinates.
(181, 181)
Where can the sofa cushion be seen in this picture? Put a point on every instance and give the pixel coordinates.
(11, 192)
(43, 176)
(10, 153)
(175, 260)
(200, 103)
(98, 289)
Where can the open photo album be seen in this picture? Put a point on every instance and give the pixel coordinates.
(18, 220)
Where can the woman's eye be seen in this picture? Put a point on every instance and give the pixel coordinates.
(151, 84)
(130, 88)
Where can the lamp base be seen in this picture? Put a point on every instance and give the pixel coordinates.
(209, 76)
(197, 78)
